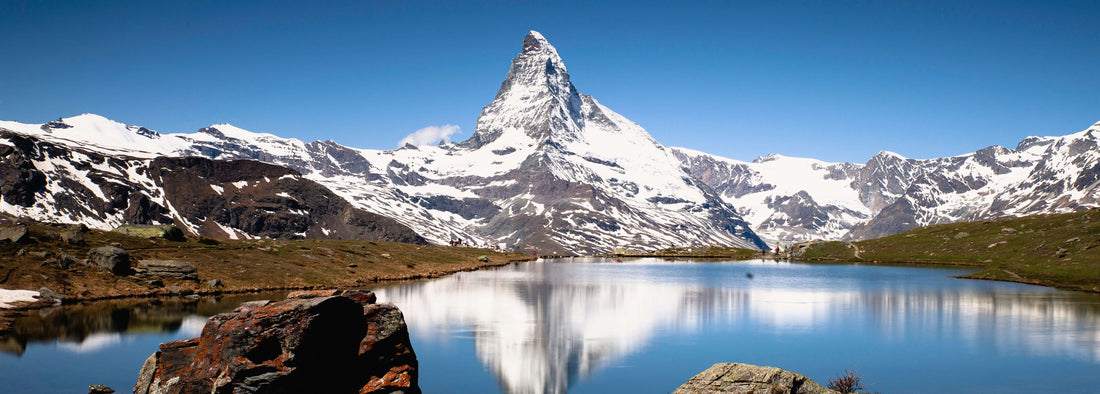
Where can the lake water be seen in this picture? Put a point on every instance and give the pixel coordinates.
(593, 325)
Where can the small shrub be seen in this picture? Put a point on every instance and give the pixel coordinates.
(847, 382)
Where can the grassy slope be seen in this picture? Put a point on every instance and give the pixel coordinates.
(1049, 250)
(241, 265)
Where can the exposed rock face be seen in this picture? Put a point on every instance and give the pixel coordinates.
(110, 259)
(746, 378)
(320, 341)
(19, 178)
(167, 269)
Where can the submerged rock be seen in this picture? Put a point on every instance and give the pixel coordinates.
(317, 341)
(747, 378)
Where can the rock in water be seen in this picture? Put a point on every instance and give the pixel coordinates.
(99, 389)
(746, 378)
(317, 341)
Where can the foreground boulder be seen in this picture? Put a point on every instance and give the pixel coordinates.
(746, 378)
(318, 341)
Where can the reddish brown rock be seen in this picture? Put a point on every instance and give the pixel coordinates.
(317, 341)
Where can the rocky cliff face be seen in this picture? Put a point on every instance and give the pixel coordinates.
(321, 341)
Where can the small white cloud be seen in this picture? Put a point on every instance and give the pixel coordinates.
(430, 135)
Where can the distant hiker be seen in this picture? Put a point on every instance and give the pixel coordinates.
(777, 250)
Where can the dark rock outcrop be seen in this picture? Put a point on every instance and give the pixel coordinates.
(746, 378)
(111, 259)
(19, 178)
(316, 341)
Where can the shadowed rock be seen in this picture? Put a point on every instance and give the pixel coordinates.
(111, 259)
(316, 341)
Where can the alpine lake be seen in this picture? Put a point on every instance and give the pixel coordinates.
(588, 325)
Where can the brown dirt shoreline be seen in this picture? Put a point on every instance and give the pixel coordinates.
(43, 259)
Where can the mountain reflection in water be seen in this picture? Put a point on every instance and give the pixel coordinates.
(102, 324)
(543, 326)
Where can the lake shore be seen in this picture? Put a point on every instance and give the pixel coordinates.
(44, 260)
(1061, 251)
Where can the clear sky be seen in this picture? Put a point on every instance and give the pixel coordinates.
(834, 80)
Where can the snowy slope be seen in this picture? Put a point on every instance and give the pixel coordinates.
(793, 199)
(785, 198)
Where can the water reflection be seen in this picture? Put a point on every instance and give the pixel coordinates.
(542, 327)
(98, 325)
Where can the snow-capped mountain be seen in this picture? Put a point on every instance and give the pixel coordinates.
(794, 199)
(551, 169)
(54, 178)
(547, 169)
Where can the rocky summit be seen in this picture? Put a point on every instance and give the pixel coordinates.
(315, 341)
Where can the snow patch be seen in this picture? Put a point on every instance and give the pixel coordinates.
(8, 298)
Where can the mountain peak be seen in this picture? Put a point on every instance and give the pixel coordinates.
(535, 98)
(534, 43)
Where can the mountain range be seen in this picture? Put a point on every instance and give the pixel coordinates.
(548, 170)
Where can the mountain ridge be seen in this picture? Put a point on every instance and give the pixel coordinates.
(551, 170)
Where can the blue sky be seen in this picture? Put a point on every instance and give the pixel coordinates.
(834, 80)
